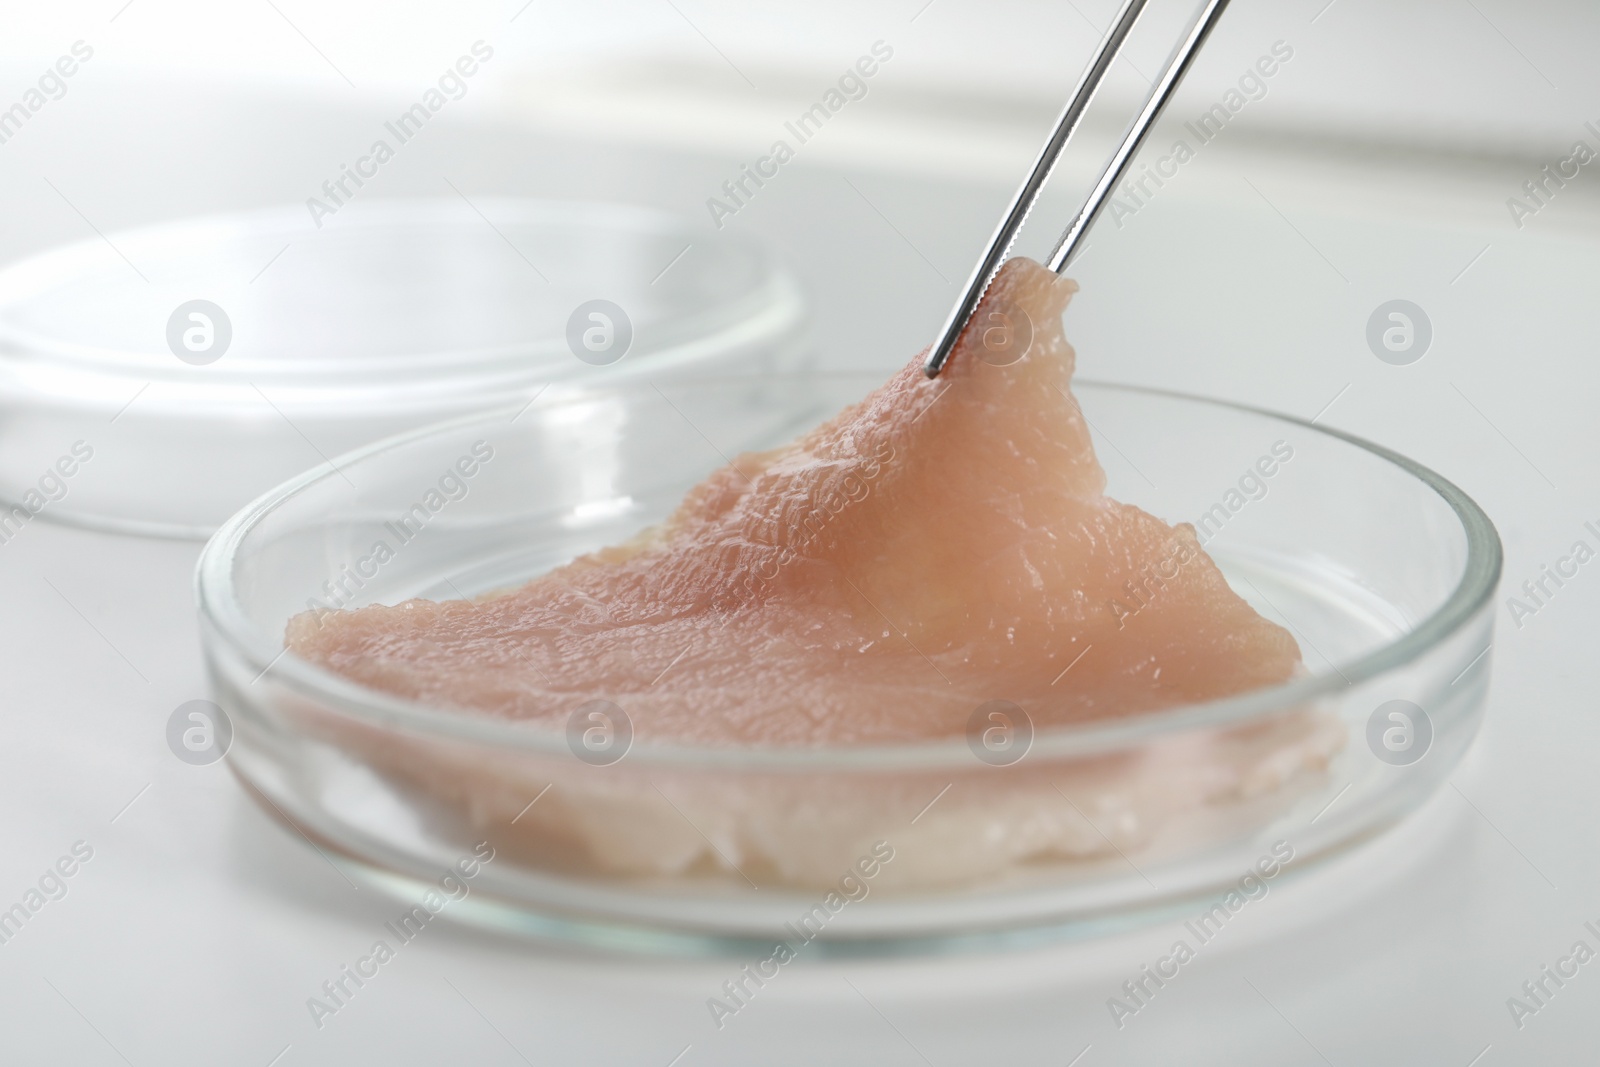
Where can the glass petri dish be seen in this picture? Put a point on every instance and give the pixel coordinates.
(1384, 571)
(311, 342)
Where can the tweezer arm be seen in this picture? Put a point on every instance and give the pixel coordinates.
(1161, 93)
(1023, 201)
(1166, 87)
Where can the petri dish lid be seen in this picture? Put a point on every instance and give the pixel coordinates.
(313, 341)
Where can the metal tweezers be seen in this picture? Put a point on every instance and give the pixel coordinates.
(1177, 66)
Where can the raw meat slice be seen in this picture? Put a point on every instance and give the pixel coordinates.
(938, 545)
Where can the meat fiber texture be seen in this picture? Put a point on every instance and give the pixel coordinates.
(940, 545)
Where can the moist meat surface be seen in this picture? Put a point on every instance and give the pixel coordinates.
(939, 545)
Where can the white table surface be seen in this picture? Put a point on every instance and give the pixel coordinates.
(199, 928)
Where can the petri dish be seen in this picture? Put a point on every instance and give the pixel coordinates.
(760, 835)
(155, 380)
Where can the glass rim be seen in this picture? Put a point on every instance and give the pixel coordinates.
(769, 308)
(222, 613)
